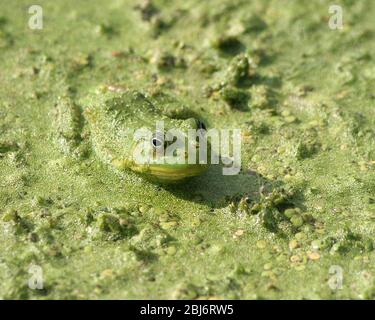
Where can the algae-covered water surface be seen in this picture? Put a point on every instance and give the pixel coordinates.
(296, 77)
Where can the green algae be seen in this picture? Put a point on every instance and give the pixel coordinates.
(303, 202)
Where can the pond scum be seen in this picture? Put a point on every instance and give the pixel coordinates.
(296, 222)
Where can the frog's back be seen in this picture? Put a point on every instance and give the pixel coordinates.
(129, 106)
(113, 119)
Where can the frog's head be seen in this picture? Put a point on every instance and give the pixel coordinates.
(172, 150)
(150, 137)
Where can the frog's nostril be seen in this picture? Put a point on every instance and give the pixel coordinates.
(201, 125)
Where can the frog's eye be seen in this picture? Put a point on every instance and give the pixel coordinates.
(157, 140)
(156, 143)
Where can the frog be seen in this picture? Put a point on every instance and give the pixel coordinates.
(109, 120)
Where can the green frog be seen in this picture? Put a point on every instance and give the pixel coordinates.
(112, 120)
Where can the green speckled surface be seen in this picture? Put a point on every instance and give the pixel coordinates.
(304, 201)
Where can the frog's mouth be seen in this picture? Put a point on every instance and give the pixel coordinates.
(170, 173)
(167, 172)
(164, 171)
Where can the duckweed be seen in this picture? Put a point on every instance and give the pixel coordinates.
(302, 203)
